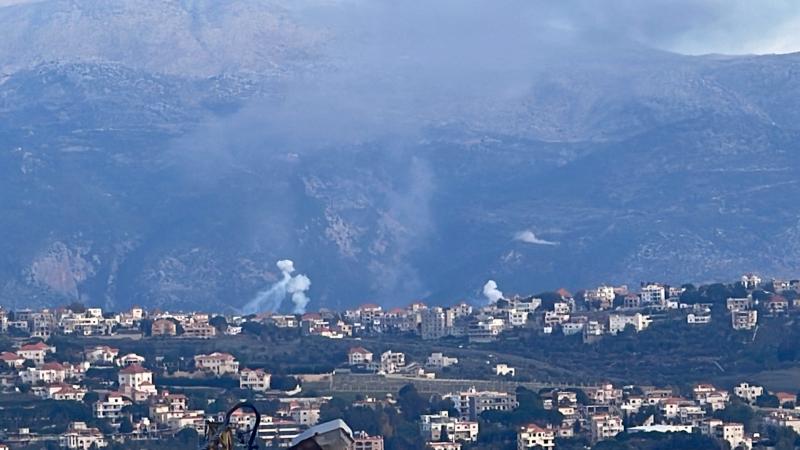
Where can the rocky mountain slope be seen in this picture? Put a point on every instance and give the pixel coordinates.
(177, 175)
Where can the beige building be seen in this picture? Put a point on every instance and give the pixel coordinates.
(217, 363)
(254, 379)
(80, 437)
(532, 435)
(605, 426)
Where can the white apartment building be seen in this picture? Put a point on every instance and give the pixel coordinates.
(653, 294)
(748, 392)
(111, 406)
(618, 322)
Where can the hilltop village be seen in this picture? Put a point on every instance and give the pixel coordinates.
(454, 377)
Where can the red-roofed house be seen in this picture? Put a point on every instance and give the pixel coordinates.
(12, 360)
(35, 352)
(359, 355)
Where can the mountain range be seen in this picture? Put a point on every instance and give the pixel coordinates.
(168, 154)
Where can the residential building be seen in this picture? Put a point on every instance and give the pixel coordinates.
(605, 426)
(363, 441)
(198, 330)
(739, 304)
(358, 356)
(744, 319)
(217, 363)
(618, 322)
(532, 435)
(653, 294)
(163, 327)
(110, 407)
(504, 370)
(254, 379)
(35, 352)
(80, 437)
(748, 392)
(101, 354)
(392, 361)
(436, 322)
(439, 361)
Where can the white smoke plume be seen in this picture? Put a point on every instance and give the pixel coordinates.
(491, 292)
(272, 298)
(529, 237)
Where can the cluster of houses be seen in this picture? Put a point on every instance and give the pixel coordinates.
(610, 411)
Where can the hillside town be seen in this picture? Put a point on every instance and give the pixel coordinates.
(71, 360)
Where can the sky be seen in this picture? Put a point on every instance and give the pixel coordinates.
(683, 26)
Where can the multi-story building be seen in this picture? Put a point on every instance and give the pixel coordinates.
(363, 441)
(254, 379)
(163, 327)
(392, 361)
(217, 363)
(437, 427)
(653, 294)
(35, 352)
(359, 355)
(534, 436)
(438, 360)
(136, 382)
(199, 330)
(110, 407)
(436, 322)
(748, 392)
(744, 319)
(739, 304)
(80, 437)
(751, 281)
(618, 322)
(601, 297)
(101, 354)
(490, 401)
(605, 426)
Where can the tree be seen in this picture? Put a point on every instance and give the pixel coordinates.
(77, 307)
(219, 322)
(125, 425)
(411, 403)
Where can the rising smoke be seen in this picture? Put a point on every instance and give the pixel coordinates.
(491, 292)
(271, 299)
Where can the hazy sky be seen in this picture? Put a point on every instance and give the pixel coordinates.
(685, 26)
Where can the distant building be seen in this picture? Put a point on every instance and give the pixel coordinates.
(618, 322)
(436, 322)
(748, 392)
(744, 319)
(653, 294)
(504, 370)
(363, 441)
(254, 379)
(534, 436)
(438, 360)
(605, 426)
(164, 327)
(80, 437)
(359, 355)
(217, 363)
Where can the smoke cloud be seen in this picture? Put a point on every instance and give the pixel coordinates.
(491, 292)
(271, 299)
(529, 237)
